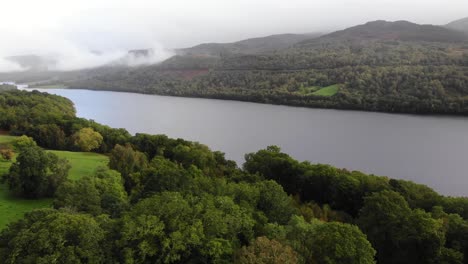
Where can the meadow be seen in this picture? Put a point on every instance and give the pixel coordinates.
(13, 208)
(328, 91)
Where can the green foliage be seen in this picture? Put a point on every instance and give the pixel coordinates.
(274, 202)
(21, 110)
(87, 139)
(36, 173)
(163, 175)
(274, 165)
(24, 142)
(126, 160)
(101, 193)
(47, 236)
(50, 135)
(181, 231)
(392, 226)
(321, 242)
(417, 195)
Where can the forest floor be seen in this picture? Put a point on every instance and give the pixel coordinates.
(13, 208)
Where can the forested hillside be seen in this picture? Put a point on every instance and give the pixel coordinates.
(163, 200)
(248, 46)
(460, 25)
(379, 66)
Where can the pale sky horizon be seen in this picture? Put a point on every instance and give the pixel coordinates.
(113, 26)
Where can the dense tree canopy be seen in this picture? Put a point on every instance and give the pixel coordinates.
(47, 236)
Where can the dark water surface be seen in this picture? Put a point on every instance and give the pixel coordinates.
(428, 150)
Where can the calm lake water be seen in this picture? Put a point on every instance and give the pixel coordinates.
(428, 150)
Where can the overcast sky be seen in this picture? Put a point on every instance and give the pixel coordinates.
(72, 26)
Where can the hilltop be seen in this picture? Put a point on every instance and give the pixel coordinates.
(248, 46)
(397, 31)
(460, 25)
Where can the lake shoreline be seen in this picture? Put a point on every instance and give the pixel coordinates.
(262, 103)
(423, 149)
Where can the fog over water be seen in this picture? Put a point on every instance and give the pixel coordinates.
(426, 149)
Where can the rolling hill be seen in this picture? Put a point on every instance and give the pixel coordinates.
(378, 66)
(249, 46)
(460, 25)
(395, 31)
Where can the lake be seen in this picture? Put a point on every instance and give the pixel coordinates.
(425, 149)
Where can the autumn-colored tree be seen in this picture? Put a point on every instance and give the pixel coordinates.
(87, 139)
(265, 251)
(6, 152)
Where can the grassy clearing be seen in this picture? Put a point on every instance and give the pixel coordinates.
(83, 163)
(7, 139)
(308, 90)
(13, 208)
(328, 91)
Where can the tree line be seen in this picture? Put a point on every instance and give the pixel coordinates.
(387, 76)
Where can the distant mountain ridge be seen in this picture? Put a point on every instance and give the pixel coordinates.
(460, 25)
(248, 46)
(396, 31)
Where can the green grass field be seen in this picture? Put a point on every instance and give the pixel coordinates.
(6, 139)
(308, 90)
(83, 163)
(328, 91)
(13, 208)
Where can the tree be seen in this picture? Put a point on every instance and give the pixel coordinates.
(6, 152)
(265, 251)
(162, 175)
(275, 202)
(399, 234)
(101, 193)
(87, 139)
(24, 142)
(194, 154)
(126, 160)
(36, 173)
(160, 229)
(49, 236)
(341, 243)
(50, 136)
(325, 243)
(275, 165)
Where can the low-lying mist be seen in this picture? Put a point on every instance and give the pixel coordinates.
(53, 53)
